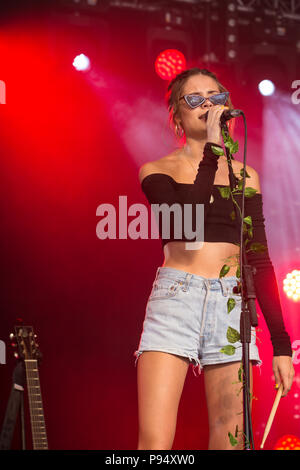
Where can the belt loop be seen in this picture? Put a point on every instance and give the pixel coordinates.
(225, 288)
(187, 282)
(207, 283)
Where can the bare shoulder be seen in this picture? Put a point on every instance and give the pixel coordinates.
(253, 181)
(166, 164)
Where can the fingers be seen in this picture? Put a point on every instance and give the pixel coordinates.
(284, 373)
(214, 114)
(213, 123)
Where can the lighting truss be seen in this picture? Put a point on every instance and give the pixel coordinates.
(289, 9)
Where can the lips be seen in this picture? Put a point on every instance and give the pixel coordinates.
(204, 116)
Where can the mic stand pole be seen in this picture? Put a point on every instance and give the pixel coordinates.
(248, 311)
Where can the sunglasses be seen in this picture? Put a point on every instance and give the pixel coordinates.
(193, 101)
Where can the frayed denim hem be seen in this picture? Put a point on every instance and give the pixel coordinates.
(197, 366)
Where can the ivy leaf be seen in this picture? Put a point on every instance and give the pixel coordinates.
(228, 349)
(230, 304)
(240, 373)
(233, 440)
(217, 150)
(242, 173)
(225, 192)
(224, 270)
(231, 145)
(248, 220)
(249, 192)
(240, 184)
(232, 335)
(258, 247)
(225, 137)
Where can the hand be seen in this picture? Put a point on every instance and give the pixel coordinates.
(284, 372)
(213, 124)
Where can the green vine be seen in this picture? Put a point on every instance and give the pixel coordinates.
(232, 335)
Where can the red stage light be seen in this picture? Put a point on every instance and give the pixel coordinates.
(288, 442)
(170, 63)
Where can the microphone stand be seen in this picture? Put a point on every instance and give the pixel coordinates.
(15, 406)
(248, 311)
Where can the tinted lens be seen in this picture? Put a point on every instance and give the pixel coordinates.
(221, 98)
(194, 100)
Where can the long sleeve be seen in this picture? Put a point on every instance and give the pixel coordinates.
(265, 279)
(160, 188)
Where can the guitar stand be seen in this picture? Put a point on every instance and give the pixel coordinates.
(14, 406)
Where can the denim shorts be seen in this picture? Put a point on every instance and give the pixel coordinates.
(187, 315)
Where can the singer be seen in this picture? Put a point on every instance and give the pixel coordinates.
(186, 316)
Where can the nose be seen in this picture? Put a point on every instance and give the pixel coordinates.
(207, 103)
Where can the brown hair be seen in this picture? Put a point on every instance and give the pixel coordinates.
(174, 91)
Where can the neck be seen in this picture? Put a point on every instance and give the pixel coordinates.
(193, 150)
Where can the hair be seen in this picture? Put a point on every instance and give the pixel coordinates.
(174, 92)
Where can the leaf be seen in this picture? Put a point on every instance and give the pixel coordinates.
(224, 270)
(240, 184)
(233, 440)
(235, 147)
(228, 349)
(238, 272)
(248, 220)
(231, 145)
(217, 150)
(240, 373)
(225, 192)
(225, 137)
(249, 192)
(242, 173)
(232, 335)
(230, 304)
(258, 247)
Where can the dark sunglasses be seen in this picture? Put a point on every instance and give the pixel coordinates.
(193, 101)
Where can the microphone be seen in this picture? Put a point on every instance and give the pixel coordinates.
(227, 114)
(230, 113)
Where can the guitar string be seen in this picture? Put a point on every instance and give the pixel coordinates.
(38, 422)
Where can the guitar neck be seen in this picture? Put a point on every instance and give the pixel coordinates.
(38, 427)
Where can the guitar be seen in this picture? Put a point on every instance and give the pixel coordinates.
(30, 353)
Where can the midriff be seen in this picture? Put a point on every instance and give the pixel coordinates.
(206, 261)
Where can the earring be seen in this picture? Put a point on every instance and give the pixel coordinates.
(179, 131)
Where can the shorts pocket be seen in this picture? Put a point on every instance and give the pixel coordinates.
(164, 289)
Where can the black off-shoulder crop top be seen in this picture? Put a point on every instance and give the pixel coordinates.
(219, 226)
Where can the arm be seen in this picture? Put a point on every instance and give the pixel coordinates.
(160, 188)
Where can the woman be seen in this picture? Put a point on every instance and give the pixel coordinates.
(186, 315)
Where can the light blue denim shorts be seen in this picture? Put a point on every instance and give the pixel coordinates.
(187, 315)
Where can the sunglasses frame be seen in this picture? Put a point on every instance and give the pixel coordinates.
(186, 98)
